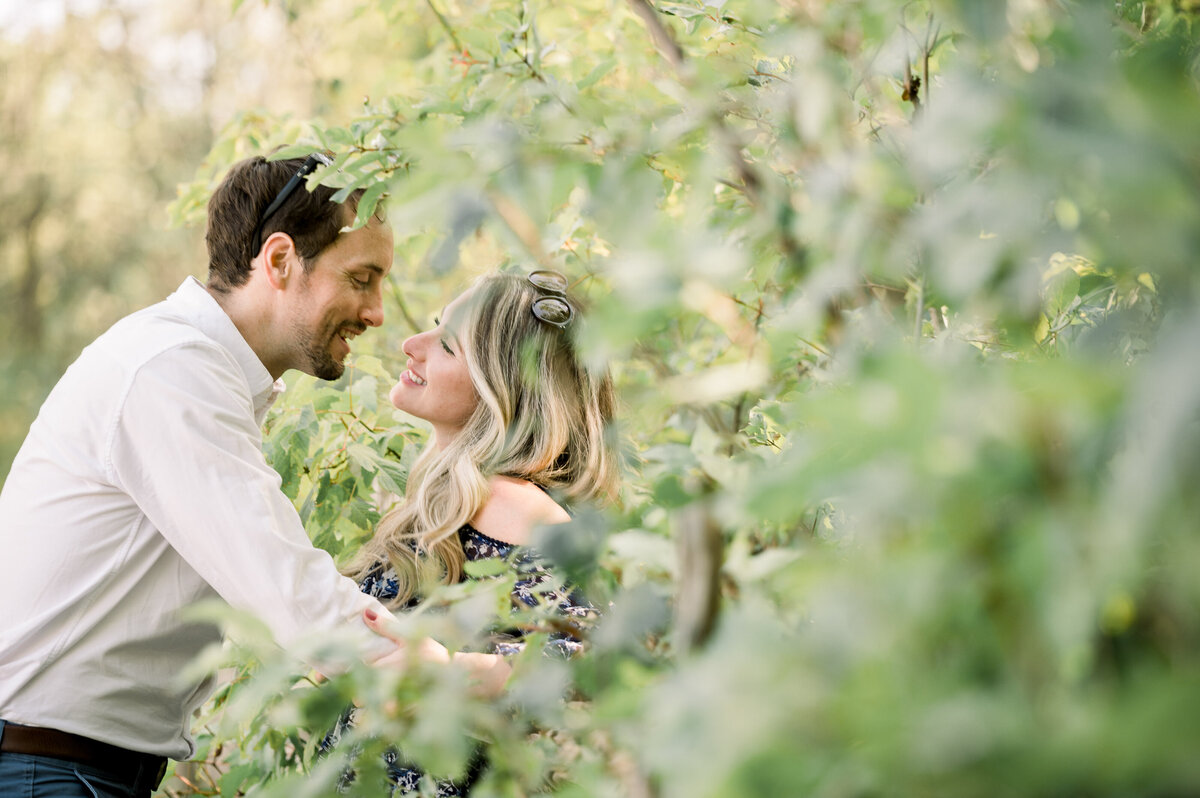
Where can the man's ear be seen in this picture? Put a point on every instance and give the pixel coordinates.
(280, 259)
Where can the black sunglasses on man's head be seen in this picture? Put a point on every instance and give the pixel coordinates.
(307, 168)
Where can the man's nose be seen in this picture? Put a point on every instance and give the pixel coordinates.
(372, 312)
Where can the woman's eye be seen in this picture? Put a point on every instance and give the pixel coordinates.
(446, 346)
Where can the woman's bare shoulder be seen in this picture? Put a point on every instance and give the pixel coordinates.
(514, 508)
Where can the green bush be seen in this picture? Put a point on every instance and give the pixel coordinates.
(901, 298)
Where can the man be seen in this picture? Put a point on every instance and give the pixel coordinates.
(141, 488)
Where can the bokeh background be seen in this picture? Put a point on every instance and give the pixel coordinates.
(901, 297)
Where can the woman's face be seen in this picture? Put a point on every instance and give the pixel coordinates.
(436, 385)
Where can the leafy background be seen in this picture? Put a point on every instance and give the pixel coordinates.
(901, 299)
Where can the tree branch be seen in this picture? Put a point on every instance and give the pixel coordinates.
(458, 45)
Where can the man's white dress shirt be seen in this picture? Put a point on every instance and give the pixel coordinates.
(141, 489)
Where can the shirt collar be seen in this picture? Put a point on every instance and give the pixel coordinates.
(199, 307)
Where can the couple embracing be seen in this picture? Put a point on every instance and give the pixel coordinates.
(141, 487)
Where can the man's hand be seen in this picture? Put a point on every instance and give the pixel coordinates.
(488, 672)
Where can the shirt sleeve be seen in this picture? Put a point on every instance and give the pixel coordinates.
(185, 447)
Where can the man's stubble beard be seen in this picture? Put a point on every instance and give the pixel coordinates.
(317, 357)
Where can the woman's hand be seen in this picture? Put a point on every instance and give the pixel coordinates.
(426, 649)
(488, 672)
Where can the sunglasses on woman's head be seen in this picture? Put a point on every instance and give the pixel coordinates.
(553, 309)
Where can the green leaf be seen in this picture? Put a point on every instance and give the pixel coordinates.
(491, 566)
(232, 781)
(293, 151)
(392, 476)
(362, 458)
(367, 203)
(677, 10)
(1062, 292)
(371, 365)
(596, 74)
(358, 182)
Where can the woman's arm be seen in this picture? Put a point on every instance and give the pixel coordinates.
(489, 672)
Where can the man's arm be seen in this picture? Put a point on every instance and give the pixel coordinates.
(184, 446)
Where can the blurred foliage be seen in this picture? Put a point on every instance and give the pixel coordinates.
(901, 298)
(84, 238)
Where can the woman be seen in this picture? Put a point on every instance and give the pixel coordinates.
(517, 421)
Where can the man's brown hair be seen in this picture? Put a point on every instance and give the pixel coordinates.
(235, 208)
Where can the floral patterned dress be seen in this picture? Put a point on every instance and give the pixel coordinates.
(528, 590)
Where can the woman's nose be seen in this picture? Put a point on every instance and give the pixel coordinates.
(414, 345)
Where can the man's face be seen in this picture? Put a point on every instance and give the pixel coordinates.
(339, 297)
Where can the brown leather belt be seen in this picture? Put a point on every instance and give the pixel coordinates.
(129, 765)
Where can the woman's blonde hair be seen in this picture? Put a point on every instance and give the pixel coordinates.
(542, 416)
